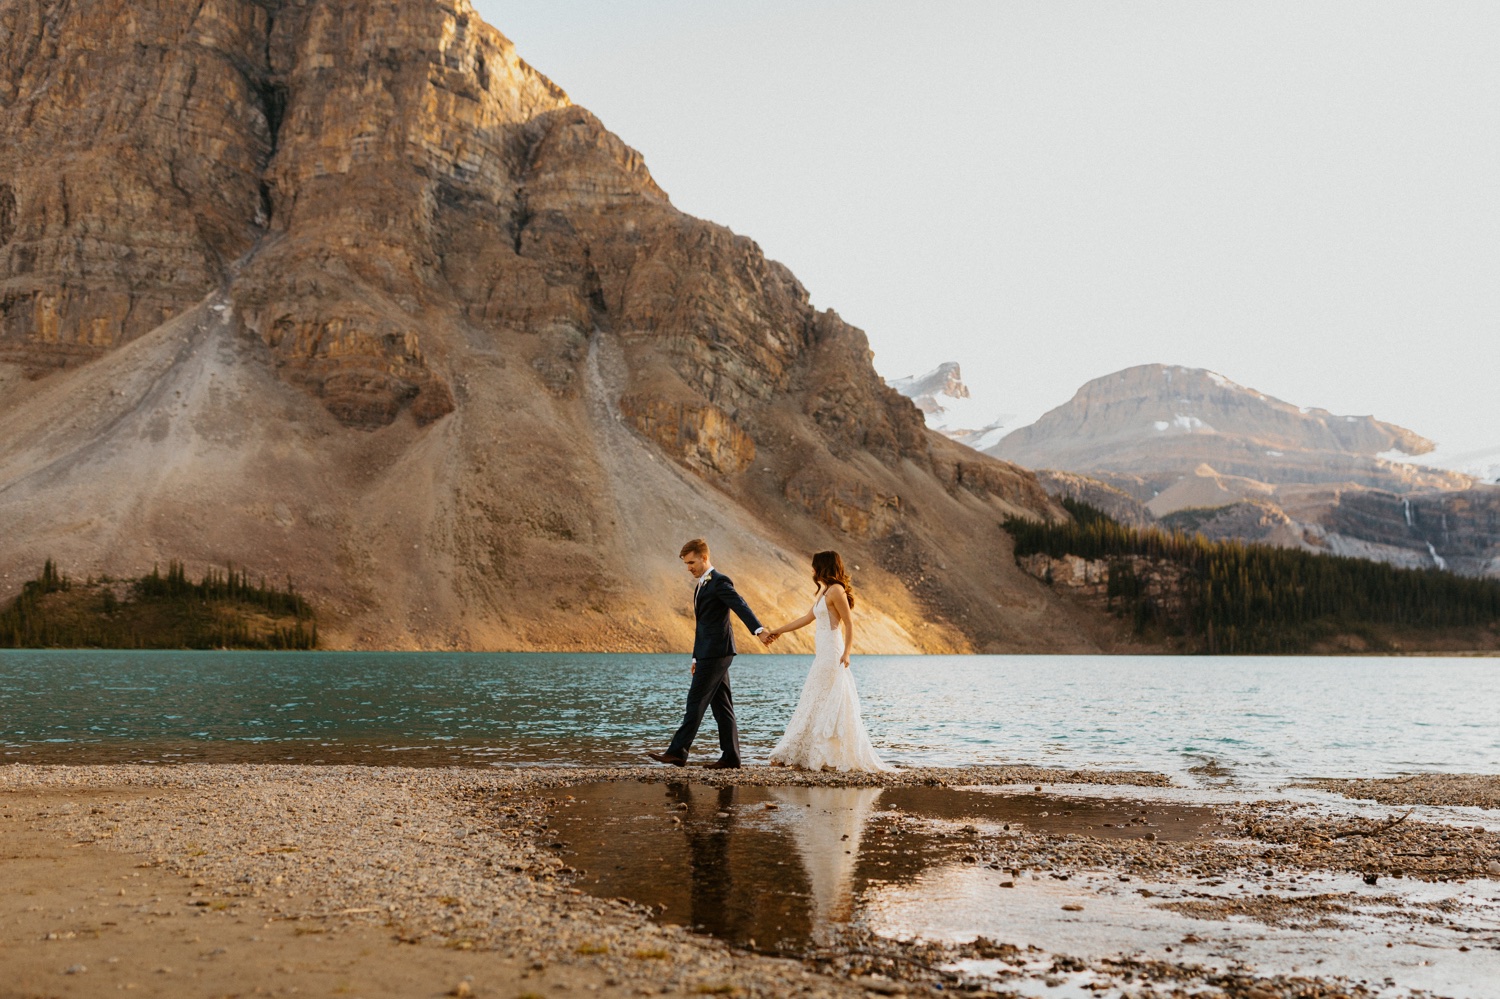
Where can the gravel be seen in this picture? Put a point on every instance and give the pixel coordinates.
(458, 857)
(453, 856)
(1473, 790)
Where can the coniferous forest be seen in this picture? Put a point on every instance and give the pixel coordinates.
(1233, 597)
(222, 610)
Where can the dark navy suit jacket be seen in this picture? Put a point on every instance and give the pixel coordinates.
(715, 599)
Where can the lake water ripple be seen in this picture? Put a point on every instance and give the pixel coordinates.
(1202, 718)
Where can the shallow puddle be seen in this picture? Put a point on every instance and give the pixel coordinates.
(790, 869)
(780, 868)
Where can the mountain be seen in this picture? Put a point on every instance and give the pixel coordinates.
(1210, 456)
(1162, 422)
(1118, 505)
(948, 408)
(350, 293)
(943, 383)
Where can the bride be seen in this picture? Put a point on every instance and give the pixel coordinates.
(826, 731)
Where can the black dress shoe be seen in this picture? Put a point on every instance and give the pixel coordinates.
(721, 765)
(675, 761)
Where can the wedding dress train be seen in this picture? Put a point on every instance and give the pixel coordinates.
(826, 731)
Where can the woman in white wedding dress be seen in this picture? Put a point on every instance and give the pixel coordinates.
(826, 731)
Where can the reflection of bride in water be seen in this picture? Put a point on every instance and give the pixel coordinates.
(827, 824)
(738, 879)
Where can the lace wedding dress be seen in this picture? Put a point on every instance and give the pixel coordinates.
(826, 731)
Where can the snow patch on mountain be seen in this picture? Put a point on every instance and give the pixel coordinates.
(1180, 421)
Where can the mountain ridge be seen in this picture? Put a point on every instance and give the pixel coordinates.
(1187, 416)
(1211, 456)
(353, 294)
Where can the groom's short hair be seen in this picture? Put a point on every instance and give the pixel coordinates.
(697, 546)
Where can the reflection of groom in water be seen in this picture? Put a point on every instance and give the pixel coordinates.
(712, 902)
(714, 597)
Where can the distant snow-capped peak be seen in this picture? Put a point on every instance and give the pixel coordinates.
(948, 407)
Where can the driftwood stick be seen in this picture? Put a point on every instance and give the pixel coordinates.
(1377, 830)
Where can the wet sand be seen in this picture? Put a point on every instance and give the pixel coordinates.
(372, 881)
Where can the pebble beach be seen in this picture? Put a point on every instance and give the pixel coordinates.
(377, 865)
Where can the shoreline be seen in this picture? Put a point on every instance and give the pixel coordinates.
(452, 871)
(1143, 652)
(444, 650)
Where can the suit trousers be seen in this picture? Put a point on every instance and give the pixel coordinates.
(709, 690)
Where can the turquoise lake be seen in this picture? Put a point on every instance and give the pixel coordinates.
(1259, 719)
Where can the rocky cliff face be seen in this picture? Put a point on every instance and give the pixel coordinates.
(107, 230)
(352, 293)
(1115, 503)
(1457, 530)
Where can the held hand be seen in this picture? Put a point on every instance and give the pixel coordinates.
(767, 637)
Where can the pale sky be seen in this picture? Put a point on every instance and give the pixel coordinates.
(1302, 196)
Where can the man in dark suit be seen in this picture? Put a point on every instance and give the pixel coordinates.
(714, 597)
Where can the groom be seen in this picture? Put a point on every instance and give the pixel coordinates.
(714, 597)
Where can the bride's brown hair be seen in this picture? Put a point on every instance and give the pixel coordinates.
(828, 569)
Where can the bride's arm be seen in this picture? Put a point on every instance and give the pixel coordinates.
(838, 603)
(801, 622)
